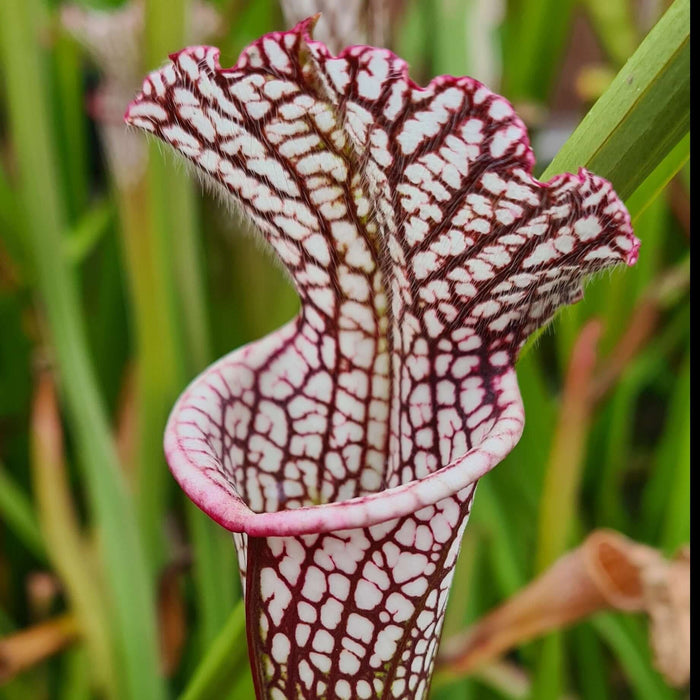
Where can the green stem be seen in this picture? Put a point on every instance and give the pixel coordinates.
(69, 551)
(111, 506)
(676, 524)
(614, 25)
(225, 664)
(159, 366)
(169, 285)
(18, 513)
(631, 649)
(535, 37)
(215, 572)
(560, 493)
(185, 239)
(72, 122)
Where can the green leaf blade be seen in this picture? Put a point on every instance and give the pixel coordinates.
(644, 113)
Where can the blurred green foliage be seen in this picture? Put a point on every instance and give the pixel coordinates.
(125, 292)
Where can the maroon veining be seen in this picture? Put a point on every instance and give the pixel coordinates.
(344, 449)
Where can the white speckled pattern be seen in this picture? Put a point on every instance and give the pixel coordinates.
(344, 449)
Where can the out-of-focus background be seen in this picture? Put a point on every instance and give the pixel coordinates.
(120, 279)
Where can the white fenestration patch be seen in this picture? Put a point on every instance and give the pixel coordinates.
(370, 80)
(587, 228)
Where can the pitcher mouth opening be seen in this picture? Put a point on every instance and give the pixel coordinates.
(198, 466)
